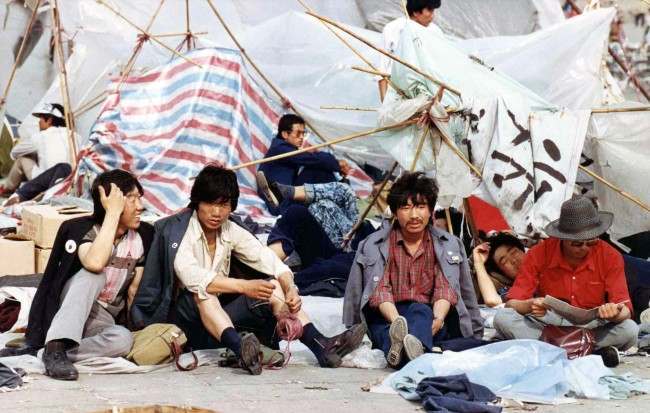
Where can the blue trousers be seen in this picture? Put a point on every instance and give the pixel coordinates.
(299, 231)
(44, 181)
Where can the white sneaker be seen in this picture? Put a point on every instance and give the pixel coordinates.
(644, 317)
(397, 332)
(413, 347)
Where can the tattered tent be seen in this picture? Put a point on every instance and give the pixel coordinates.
(313, 69)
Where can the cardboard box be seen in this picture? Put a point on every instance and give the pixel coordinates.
(16, 256)
(42, 257)
(41, 222)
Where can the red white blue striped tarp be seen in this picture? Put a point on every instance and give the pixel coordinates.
(165, 125)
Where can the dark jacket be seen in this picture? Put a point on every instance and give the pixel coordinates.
(285, 171)
(153, 301)
(155, 297)
(370, 263)
(63, 264)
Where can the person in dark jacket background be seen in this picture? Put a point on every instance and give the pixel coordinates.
(313, 167)
(95, 265)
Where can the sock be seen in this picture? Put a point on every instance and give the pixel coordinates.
(286, 191)
(230, 338)
(314, 340)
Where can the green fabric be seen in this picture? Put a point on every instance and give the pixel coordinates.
(6, 143)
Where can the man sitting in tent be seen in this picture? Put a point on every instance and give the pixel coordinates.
(42, 159)
(577, 267)
(201, 247)
(312, 167)
(94, 268)
(419, 11)
(410, 281)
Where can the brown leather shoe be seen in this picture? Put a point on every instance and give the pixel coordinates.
(335, 348)
(250, 357)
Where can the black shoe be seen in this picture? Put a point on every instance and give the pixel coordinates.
(335, 348)
(18, 351)
(266, 190)
(610, 356)
(251, 354)
(56, 362)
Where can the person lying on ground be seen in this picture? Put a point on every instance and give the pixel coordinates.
(45, 155)
(419, 11)
(325, 264)
(410, 282)
(496, 263)
(199, 247)
(91, 276)
(313, 167)
(575, 266)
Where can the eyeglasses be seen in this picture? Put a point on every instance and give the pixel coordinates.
(589, 243)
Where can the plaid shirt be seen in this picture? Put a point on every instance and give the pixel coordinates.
(412, 277)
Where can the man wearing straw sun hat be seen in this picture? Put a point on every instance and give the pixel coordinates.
(575, 266)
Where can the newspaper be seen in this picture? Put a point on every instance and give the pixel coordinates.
(576, 315)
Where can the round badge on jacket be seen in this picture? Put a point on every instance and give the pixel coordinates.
(70, 246)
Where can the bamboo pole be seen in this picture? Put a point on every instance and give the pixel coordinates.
(384, 52)
(355, 51)
(19, 55)
(615, 188)
(418, 151)
(255, 67)
(450, 227)
(136, 51)
(617, 59)
(349, 108)
(179, 34)
(90, 104)
(63, 83)
(321, 145)
(188, 36)
(348, 237)
(146, 33)
(371, 71)
(620, 110)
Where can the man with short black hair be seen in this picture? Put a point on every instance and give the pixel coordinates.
(42, 159)
(313, 167)
(410, 281)
(94, 269)
(200, 247)
(573, 265)
(419, 11)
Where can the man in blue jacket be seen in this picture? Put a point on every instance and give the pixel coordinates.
(306, 168)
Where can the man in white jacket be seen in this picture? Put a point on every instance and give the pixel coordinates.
(45, 155)
(419, 11)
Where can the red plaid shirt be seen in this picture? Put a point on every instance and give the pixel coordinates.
(412, 277)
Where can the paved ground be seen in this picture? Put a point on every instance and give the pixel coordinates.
(294, 389)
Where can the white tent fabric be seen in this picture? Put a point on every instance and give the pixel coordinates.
(474, 18)
(619, 144)
(563, 63)
(527, 149)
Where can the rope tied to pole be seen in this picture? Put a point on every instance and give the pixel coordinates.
(142, 38)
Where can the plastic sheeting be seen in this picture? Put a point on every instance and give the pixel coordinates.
(562, 63)
(524, 370)
(474, 18)
(527, 149)
(619, 144)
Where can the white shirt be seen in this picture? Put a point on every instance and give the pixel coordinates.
(392, 33)
(51, 146)
(196, 269)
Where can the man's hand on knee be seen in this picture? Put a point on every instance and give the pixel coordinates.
(259, 289)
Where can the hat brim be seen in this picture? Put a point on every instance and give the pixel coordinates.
(606, 219)
(38, 114)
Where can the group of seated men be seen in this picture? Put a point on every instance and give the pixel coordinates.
(409, 283)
